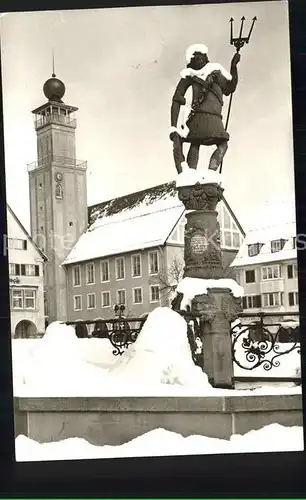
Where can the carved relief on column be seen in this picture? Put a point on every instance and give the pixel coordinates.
(217, 301)
(202, 252)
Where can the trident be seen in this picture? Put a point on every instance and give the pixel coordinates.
(238, 43)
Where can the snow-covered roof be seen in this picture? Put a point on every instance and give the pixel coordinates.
(133, 222)
(264, 236)
(114, 236)
(147, 200)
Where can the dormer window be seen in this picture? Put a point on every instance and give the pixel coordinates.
(254, 249)
(59, 192)
(277, 245)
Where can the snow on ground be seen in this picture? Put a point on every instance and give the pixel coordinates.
(190, 176)
(157, 364)
(161, 442)
(190, 287)
(56, 363)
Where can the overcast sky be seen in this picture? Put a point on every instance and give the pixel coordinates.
(120, 67)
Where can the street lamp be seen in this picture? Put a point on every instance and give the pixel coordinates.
(119, 310)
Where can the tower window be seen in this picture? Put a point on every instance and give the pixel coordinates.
(40, 185)
(59, 191)
(70, 224)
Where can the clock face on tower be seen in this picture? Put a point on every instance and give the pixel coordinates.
(58, 176)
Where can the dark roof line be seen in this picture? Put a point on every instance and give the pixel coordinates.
(146, 190)
(128, 201)
(116, 205)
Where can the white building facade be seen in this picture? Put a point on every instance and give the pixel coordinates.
(266, 267)
(26, 280)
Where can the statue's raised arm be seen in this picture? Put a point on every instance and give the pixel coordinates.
(230, 86)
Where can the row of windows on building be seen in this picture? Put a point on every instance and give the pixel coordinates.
(275, 246)
(120, 272)
(23, 299)
(121, 298)
(274, 299)
(23, 270)
(271, 273)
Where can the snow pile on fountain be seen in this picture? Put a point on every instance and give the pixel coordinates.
(161, 442)
(190, 287)
(56, 365)
(161, 354)
(191, 176)
(158, 363)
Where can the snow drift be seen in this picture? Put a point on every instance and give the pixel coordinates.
(162, 354)
(161, 442)
(158, 363)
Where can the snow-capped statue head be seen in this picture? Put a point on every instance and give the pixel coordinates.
(196, 56)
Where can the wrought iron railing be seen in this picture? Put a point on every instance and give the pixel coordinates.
(57, 119)
(57, 161)
(121, 331)
(194, 335)
(258, 340)
(261, 339)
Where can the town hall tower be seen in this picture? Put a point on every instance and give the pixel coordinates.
(58, 192)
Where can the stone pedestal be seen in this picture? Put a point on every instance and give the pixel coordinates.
(203, 259)
(217, 310)
(202, 253)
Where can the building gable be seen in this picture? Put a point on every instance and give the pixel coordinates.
(16, 230)
(231, 233)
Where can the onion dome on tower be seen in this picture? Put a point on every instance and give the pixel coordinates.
(54, 89)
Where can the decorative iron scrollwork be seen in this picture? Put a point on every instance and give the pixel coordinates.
(120, 331)
(260, 347)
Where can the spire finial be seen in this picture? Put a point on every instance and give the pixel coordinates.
(53, 65)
